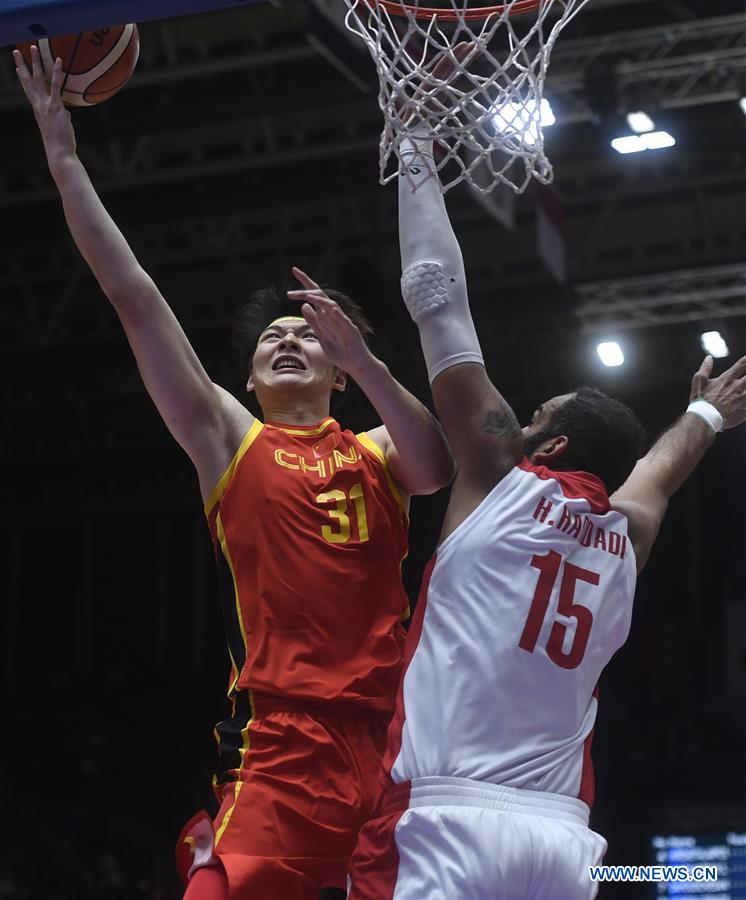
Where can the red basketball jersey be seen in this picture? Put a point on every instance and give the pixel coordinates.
(310, 533)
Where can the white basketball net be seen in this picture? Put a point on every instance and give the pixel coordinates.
(485, 113)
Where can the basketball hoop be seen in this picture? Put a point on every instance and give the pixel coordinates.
(426, 12)
(469, 78)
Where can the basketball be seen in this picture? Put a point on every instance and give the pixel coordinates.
(96, 64)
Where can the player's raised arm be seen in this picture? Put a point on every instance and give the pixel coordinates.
(410, 437)
(715, 404)
(480, 425)
(203, 418)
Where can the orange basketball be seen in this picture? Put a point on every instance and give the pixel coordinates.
(96, 64)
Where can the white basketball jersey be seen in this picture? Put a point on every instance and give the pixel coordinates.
(527, 601)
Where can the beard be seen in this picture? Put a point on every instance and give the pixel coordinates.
(531, 444)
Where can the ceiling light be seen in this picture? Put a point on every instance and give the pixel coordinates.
(742, 104)
(521, 119)
(547, 113)
(657, 140)
(640, 122)
(714, 343)
(636, 143)
(610, 354)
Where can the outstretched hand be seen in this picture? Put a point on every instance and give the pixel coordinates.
(51, 116)
(339, 337)
(434, 85)
(727, 392)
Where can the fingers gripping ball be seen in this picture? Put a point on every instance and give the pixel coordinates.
(95, 64)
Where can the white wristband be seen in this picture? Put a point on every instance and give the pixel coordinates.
(418, 160)
(708, 412)
(416, 144)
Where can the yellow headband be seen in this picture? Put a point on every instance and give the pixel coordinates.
(286, 319)
(281, 319)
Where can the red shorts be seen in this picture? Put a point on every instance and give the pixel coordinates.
(289, 822)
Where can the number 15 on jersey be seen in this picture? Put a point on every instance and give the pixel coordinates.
(549, 566)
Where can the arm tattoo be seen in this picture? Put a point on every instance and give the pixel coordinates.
(502, 422)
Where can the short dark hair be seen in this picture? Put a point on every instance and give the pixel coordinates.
(270, 303)
(604, 436)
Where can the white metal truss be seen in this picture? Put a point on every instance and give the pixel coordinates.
(666, 298)
(679, 64)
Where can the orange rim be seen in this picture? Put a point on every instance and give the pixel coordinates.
(452, 15)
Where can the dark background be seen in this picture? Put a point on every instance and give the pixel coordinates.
(238, 150)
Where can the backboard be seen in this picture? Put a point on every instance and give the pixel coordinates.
(26, 20)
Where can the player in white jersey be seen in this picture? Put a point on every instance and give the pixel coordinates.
(526, 600)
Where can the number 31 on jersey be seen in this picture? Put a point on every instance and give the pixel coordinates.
(341, 534)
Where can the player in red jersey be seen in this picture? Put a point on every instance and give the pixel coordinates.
(309, 523)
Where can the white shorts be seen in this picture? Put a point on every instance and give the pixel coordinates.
(457, 839)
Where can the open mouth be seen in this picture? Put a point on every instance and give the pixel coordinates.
(287, 362)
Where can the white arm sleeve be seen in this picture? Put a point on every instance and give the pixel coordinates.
(433, 280)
